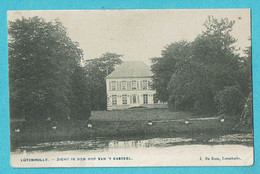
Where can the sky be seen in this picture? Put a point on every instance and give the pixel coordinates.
(138, 34)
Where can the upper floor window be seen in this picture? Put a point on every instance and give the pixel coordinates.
(145, 84)
(129, 85)
(113, 85)
(149, 85)
(124, 85)
(134, 85)
(119, 85)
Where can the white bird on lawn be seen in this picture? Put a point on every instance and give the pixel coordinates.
(150, 123)
(89, 125)
(17, 130)
(54, 127)
(222, 120)
(186, 122)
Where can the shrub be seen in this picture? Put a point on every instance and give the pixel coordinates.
(247, 113)
(229, 100)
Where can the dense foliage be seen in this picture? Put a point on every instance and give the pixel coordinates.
(80, 101)
(247, 113)
(229, 101)
(163, 68)
(96, 70)
(205, 75)
(42, 61)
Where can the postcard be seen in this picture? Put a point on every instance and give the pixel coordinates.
(130, 88)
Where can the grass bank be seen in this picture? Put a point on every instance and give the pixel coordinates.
(142, 114)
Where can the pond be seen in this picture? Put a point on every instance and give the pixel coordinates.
(102, 143)
(177, 151)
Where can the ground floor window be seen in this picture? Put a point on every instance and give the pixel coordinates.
(124, 99)
(155, 99)
(134, 98)
(114, 100)
(145, 97)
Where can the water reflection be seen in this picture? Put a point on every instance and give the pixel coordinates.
(103, 144)
(154, 142)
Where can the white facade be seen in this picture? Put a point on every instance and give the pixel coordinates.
(129, 92)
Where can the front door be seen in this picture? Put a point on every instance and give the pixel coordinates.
(134, 99)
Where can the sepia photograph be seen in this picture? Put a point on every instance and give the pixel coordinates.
(130, 88)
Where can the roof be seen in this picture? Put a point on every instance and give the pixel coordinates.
(131, 69)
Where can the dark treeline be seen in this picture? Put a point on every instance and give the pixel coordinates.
(45, 76)
(206, 75)
(47, 79)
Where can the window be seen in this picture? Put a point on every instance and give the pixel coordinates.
(129, 85)
(133, 85)
(145, 97)
(145, 84)
(118, 85)
(114, 100)
(149, 85)
(113, 85)
(124, 85)
(134, 98)
(124, 99)
(155, 99)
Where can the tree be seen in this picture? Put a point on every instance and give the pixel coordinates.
(211, 66)
(245, 74)
(42, 58)
(247, 114)
(214, 49)
(96, 71)
(80, 102)
(163, 67)
(246, 83)
(229, 100)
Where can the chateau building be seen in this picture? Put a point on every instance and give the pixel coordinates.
(129, 85)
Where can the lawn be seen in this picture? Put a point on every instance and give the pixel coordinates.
(142, 114)
(155, 122)
(134, 123)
